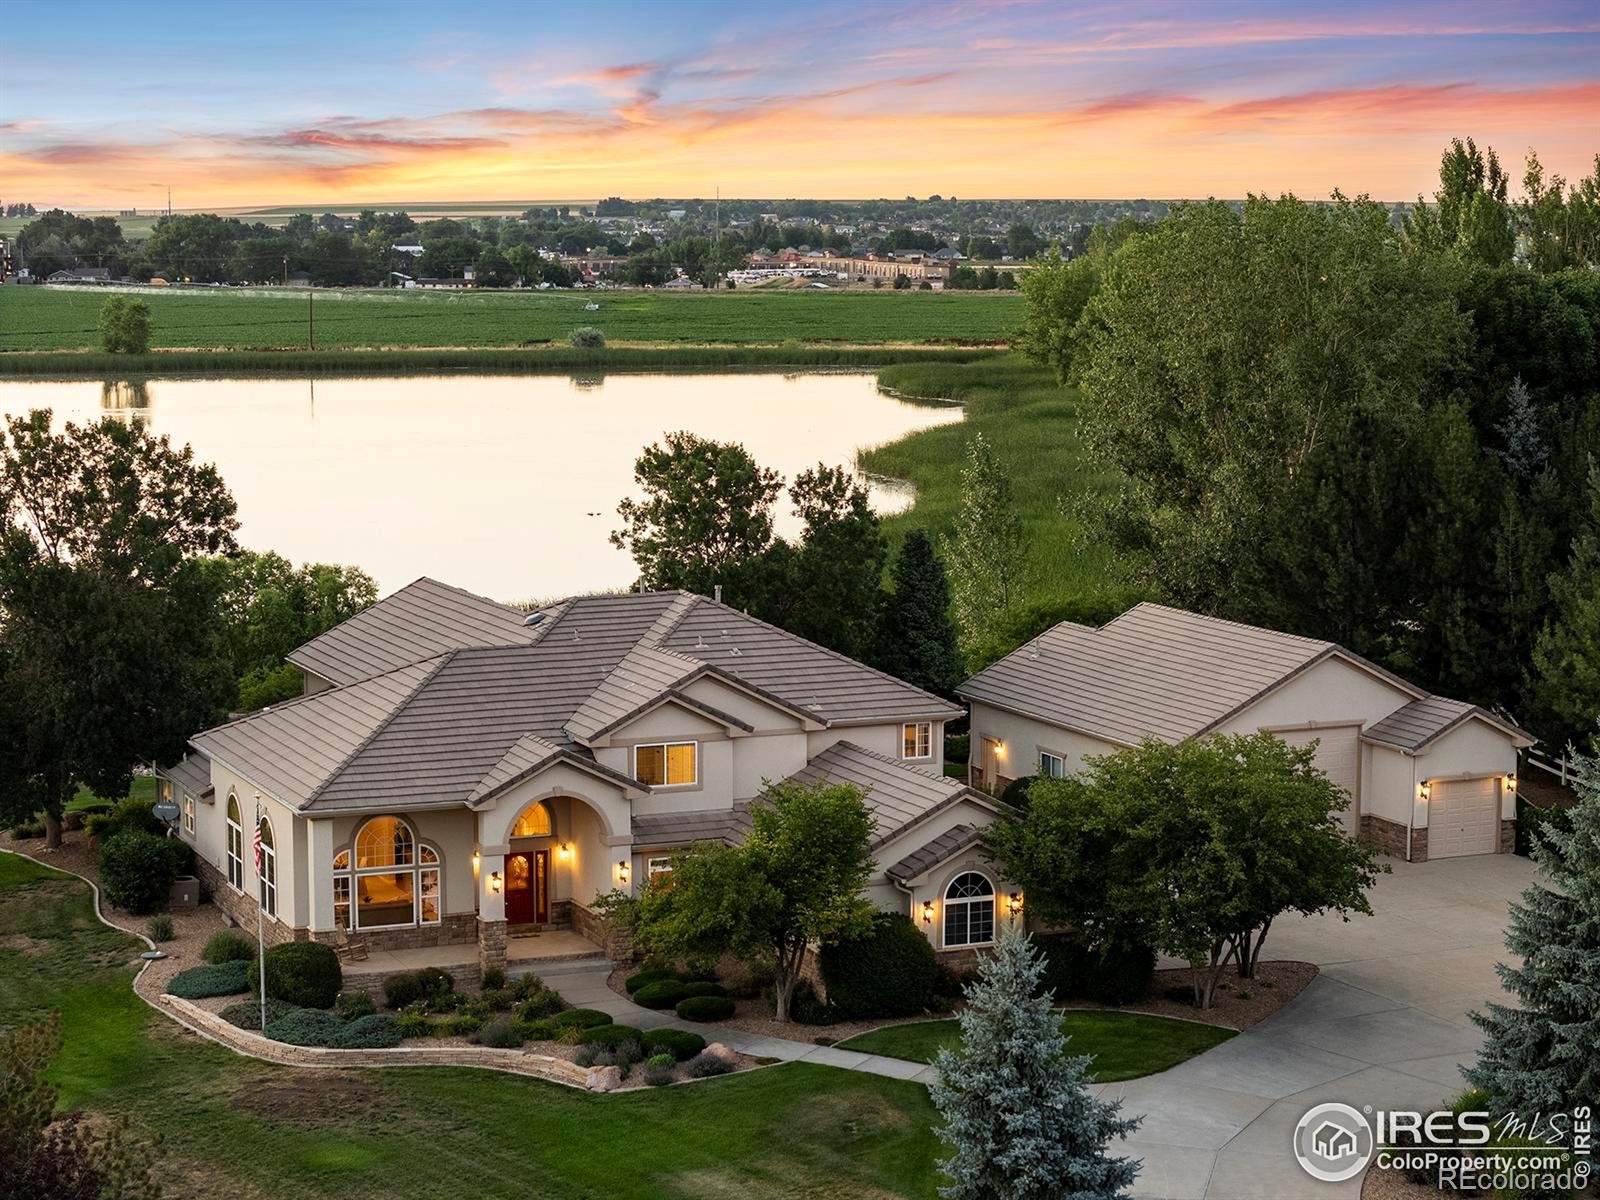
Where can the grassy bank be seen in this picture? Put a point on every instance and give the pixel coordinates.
(1032, 423)
(96, 365)
(243, 1128)
(1124, 1045)
(49, 318)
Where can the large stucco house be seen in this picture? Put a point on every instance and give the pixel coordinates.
(459, 770)
(1428, 777)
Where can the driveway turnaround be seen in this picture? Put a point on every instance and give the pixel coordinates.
(1384, 1025)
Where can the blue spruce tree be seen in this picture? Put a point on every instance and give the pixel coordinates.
(1018, 1113)
(1545, 1055)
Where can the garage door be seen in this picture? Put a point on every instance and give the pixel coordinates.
(1464, 817)
(1338, 757)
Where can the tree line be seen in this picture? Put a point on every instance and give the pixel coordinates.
(1382, 434)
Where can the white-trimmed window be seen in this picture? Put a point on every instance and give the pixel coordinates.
(969, 910)
(534, 822)
(1052, 765)
(188, 814)
(267, 871)
(658, 867)
(391, 881)
(916, 739)
(235, 844)
(667, 764)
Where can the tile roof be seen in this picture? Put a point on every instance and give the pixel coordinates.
(192, 773)
(1422, 721)
(419, 621)
(1152, 672)
(674, 830)
(940, 850)
(491, 695)
(898, 794)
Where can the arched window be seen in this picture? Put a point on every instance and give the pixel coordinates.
(267, 870)
(394, 882)
(969, 910)
(534, 822)
(235, 844)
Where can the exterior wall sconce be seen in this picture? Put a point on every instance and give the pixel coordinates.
(927, 912)
(1511, 783)
(495, 882)
(564, 851)
(624, 870)
(1426, 789)
(1016, 903)
(999, 749)
(475, 861)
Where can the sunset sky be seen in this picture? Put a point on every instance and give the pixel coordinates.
(235, 104)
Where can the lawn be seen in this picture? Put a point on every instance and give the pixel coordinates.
(143, 787)
(1032, 424)
(242, 1128)
(44, 318)
(1124, 1045)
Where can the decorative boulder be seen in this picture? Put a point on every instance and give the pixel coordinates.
(721, 1051)
(603, 1079)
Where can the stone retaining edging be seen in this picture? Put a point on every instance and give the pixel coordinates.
(245, 1041)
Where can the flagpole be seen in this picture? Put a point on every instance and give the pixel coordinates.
(261, 926)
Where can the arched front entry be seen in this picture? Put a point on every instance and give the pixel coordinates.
(529, 882)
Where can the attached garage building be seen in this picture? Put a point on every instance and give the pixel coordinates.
(1427, 776)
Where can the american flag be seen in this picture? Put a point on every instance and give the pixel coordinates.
(258, 841)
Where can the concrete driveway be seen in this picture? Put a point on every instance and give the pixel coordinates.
(1385, 1024)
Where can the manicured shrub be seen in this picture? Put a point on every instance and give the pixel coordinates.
(247, 1013)
(502, 1033)
(808, 1008)
(137, 870)
(703, 987)
(213, 979)
(228, 945)
(435, 980)
(660, 1060)
(351, 1005)
(306, 1027)
(131, 813)
(443, 1002)
(679, 1043)
(703, 1066)
(582, 1018)
(541, 1005)
(161, 928)
(641, 979)
(497, 999)
(1067, 964)
(303, 973)
(663, 993)
(948, 983)
(1119, 974)
(705, 1008)
(887, 973)
(375, 1031)
(611, 1035)
(413, 1025)
(586, 337)
(542, 1030)
(402, 990)
(494, 977)
(478, 1007)
(660, 1070)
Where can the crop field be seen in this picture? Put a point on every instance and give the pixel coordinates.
(49, 318)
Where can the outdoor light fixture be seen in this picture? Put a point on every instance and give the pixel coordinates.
(1016, 903)
(474, 860)
(1511, 783)
(495, 882)
(999, 749)
(564, 850)
(1426, 789)
(927, 912)
(624, 870)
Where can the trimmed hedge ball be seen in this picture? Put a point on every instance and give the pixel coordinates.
(306, 1027)
(375, 1031)
(664, 993)
(303, 973)
(582, 1018)
(610, 1035)
(703, 988)
(887, 973)
(705, 1008)
(679, 1043)
(641, 979)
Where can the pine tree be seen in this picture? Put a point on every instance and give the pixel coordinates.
(986, 554)
(1526, 451)
(1544, 1056)
(918, 636)
(1566, 658)
(1018, 1112)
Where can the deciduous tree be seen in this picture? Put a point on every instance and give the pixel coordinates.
(986, 552)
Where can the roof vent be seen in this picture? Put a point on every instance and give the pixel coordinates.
(533, 618)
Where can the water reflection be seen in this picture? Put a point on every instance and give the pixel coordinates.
(507, 485)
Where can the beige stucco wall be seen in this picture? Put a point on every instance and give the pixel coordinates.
(1391, 787)
(1471, 750)
(1024, 737)
(1334, 692)
(882, 737)
(931, 888)
(210, 841)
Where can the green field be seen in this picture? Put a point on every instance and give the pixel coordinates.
(1124, 1045)
(44, 318)
(237, 1127)
(1031, 421)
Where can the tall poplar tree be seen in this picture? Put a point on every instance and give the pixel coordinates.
(987, 555)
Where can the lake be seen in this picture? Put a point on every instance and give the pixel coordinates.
(504, 485)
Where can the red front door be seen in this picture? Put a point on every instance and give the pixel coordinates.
(528, 888)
